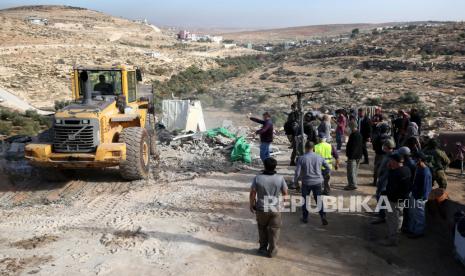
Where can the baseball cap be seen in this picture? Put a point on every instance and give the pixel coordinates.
(404, 151)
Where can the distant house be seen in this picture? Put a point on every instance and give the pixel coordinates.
(229, 45)
(184, 35)
(216, 39)
(268, 48)
(36, 20)
(142, 21)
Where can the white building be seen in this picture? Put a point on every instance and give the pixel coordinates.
(37, 20)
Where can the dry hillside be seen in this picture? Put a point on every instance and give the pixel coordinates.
(35, 60)
(421, 67)
(294, 33)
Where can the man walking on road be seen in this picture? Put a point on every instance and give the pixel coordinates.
(354, 152)
(328, 152)
(266, 135)
(264, 202)
(309, 170)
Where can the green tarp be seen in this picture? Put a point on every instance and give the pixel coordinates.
(241, 149)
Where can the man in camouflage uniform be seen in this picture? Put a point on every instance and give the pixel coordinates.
(438, 162)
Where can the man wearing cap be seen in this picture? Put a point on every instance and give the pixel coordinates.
(310, 168)
(266, 134)
(354, 152)
(397, 192)
(328, 152)
(421, 188)
(383, 173)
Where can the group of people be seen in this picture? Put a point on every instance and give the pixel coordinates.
(404, 168)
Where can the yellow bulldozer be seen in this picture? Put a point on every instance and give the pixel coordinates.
(108, 124)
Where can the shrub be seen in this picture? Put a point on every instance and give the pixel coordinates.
(19, 121)
(345, 81)
(262, 98)
(318, 84)
(373, 101)
(5, 128)
(7, 114)
(358, 75)
(61, 104)
(32, 114)
(193, 78)
(219, 102)
(409, 98)
(206, 100)
(31, 128)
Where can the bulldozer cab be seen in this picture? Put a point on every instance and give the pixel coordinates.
(105, 83)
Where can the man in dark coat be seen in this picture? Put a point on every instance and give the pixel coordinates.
(364, 127)
(354, 152)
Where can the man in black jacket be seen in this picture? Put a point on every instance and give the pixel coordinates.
(354, 152)
(397, 192)
(364, 126)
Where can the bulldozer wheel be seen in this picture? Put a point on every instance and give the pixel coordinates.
(150, 126)
(136, 165)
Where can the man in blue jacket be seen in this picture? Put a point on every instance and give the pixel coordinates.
(421, 188)
(266, 135)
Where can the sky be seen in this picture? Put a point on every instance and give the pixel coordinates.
(267, 14)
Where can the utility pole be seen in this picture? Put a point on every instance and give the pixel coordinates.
(299, 94)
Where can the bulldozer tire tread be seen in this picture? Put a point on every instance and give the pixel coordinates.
(134, 167)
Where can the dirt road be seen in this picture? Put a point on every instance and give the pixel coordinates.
(96, 225)
(12, 101)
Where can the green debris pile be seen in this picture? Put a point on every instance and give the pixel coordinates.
(241, 149)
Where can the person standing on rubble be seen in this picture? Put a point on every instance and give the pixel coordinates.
(266, 134)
